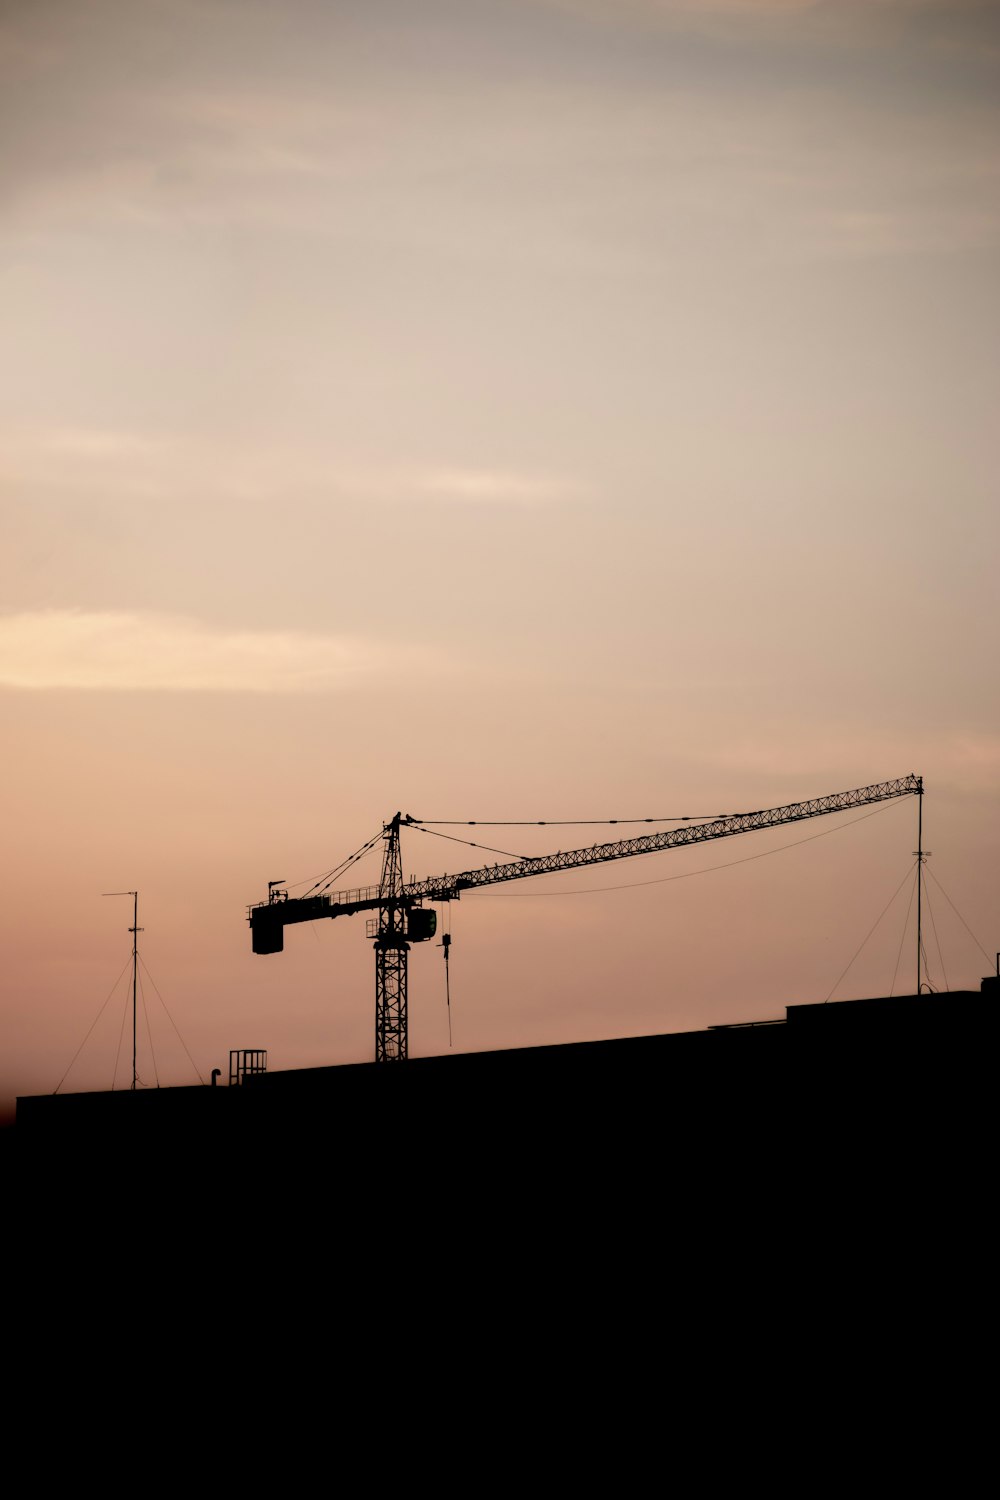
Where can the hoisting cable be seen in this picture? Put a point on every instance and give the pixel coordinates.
(567, 822)
(445, 943)
(925, 982)
(937, 940)
(172, 1022)
(114, 1076)
(593, 890)
(93, 1023)
(902, 940)
(868, 935)
(149, 1031)
(488, 847)
(960, 917)
(322, 882)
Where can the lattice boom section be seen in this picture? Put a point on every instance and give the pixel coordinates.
(444, 887)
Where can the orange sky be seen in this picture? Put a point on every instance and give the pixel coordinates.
(530, 409)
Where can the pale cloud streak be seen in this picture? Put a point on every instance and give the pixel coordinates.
(121, 651)
(690, 10)
(565, 175)
(131, 465)
(795, 750)
(493, 487)
(847, 15)
(748, 170)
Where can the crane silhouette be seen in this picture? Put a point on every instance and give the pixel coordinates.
(403, 919)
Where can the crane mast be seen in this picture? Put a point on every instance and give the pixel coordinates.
(391, 949)
(402, 919)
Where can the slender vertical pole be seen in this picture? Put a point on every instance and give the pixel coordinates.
(135, 976)
(920, 872)
(135, 929)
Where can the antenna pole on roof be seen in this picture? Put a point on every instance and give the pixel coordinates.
(920, 872)
(135, 929)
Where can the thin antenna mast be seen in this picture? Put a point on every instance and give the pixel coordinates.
(135, 929)
(921, 856)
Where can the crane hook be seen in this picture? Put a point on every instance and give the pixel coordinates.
(445, 943)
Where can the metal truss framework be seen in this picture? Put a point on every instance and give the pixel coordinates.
(391, 949)
(446, 887)
(392, 899)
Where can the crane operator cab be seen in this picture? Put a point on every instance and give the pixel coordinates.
(421, 924)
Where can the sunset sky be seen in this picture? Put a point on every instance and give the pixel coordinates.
(490, 409)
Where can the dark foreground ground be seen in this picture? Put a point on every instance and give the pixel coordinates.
(878, 1092)
(695, 1254)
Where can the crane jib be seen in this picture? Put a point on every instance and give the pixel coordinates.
(268, 919)
(445, 887)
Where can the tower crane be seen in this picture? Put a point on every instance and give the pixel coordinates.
(403, 919)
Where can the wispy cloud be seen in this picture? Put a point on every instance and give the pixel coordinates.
(122, 464)
(553, 173)
(73, 459)
(707, 12)
(794, 751)
(117, 651)
(696, 9)
(99, 443)
(493, 487)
